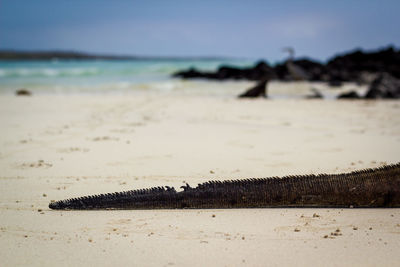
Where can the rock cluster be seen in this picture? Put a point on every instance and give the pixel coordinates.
(260, 71)
(385, 86)
(380, 69)
(357, 66)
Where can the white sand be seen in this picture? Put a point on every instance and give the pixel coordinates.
(55, 147)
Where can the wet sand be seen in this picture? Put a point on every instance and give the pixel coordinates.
(56, 147)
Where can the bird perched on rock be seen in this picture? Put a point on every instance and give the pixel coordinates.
(295, 71)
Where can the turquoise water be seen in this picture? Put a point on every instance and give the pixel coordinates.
(65, 76)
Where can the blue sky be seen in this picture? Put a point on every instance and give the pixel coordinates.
(246, 29)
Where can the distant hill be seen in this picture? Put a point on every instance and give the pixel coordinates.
(52, 55)
(48, 55)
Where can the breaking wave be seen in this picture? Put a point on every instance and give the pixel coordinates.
(103, 76)
(47, 72)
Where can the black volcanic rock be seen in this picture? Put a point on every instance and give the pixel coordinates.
(349, 95)
(385, 86)
(335, 83)
(259, 72)
(260, 90)
(227, 72)
(357, 66)
(313, 69)
(189, 74)
(348, 67)
(282, 72)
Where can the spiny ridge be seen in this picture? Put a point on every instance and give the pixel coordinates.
(363, 188)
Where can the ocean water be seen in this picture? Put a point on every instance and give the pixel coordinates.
(102, 76)
(65, 77)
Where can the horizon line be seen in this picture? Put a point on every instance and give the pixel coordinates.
(75, 54)
(60, 54)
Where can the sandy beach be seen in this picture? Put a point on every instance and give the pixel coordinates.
(55, 147)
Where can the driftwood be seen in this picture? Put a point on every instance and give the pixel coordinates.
(378, 187)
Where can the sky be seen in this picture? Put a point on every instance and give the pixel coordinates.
(249, 29)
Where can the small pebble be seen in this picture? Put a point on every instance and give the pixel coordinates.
(44, 195)
(213, 215)
(212, 172)
(39, 210)
(315, 215)
(297, 230)
(355, 228)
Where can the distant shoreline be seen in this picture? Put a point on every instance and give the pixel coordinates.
(10, 55)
